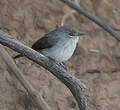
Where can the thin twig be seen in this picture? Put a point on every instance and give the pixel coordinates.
(90, 16)
(39, 101)
(75, 86)
(68, 14)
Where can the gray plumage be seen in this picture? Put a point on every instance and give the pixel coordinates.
(58, 44)
(53, 37)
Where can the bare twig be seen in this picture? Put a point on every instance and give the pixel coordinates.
(93, 50)
(39, 101)
(68, 14)
(56, 69)
(93, 18)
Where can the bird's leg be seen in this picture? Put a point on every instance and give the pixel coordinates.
(62, 64)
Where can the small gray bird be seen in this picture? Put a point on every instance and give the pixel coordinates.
(58, 44)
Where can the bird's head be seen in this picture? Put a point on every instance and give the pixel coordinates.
(70, 32)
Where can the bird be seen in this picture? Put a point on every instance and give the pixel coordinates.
(58, 44)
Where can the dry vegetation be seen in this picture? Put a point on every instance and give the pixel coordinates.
(28, 20)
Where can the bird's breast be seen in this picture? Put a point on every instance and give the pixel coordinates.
(62, 51)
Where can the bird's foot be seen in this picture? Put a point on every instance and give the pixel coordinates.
(61, 64)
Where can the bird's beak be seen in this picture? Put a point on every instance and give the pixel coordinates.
(77, 34)
(80, 34)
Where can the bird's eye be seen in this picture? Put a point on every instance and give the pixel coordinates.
(71, 34)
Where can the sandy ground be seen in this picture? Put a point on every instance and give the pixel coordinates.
(28, 20)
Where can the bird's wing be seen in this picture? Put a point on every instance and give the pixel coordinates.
(46, 41)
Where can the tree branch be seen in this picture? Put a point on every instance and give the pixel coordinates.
(56, 69)
(37, 98)
(90, 16)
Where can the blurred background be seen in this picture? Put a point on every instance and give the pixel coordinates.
(96, 61)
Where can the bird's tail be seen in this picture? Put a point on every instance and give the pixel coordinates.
(18, 56)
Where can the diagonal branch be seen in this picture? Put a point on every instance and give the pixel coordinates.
(56, 69)
(90, 16)
(37, 98)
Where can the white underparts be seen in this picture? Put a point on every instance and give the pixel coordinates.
(63, 50)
